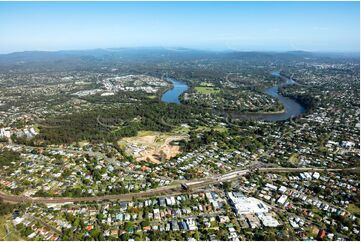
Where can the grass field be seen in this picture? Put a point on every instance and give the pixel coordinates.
(217, 128)
(206, 84)
(354, 209)
(294, 159)
(13, 234)
(146, 133)
(181, 130)
(206, 90)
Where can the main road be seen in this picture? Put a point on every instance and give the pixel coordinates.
(167, 190)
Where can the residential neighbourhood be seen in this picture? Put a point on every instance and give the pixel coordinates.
(214, 141)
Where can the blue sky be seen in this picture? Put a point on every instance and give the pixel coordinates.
(272, 26)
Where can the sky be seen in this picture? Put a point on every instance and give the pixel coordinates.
(244, 26)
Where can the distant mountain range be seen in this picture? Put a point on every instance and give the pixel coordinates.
(144, 54)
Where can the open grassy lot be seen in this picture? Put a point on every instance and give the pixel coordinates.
(4, 235)
(206, 90)
(206, 84)
(181, 130)
(217, 128)
(294, 159)
(354, 209)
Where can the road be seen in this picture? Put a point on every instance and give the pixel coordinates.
(166, 190)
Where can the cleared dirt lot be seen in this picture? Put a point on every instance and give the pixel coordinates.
(152, 146)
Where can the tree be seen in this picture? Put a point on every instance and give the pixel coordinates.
(145, 223)
(197, 235)
(96, 234)
(128, 226)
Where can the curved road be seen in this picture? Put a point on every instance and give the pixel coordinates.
(167, 190)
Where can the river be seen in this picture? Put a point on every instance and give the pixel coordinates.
(291, 107)
(172, 95)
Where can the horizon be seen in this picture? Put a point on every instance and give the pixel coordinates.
(176, 48)
(325, 27)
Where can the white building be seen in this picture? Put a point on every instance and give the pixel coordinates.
(246, 205)
(271, 187)
(282, 189)
(267, 220)
(156, 213)
(347, 144)
(282, 199)
(191, 223)
(5, 133)
(316, 175)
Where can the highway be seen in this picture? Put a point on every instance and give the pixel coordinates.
(166, 190)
